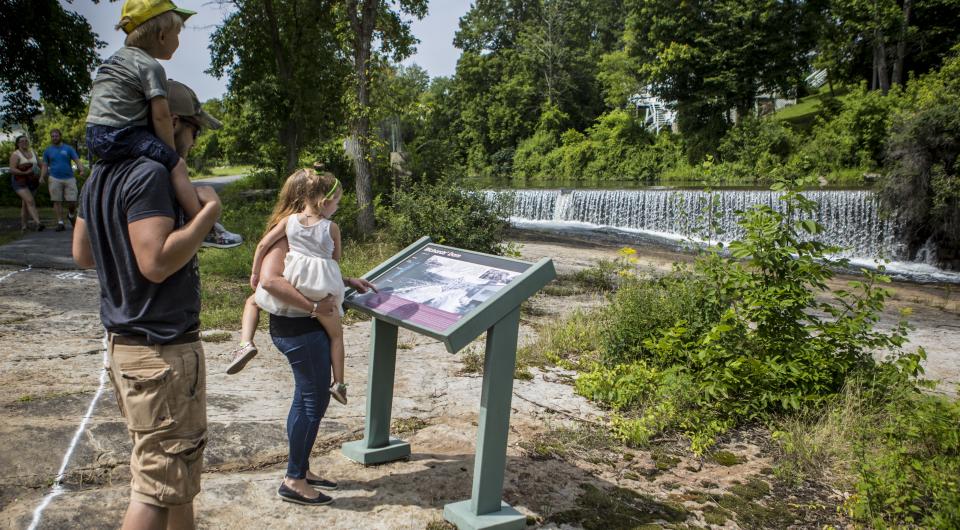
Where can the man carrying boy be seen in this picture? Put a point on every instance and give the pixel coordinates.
(132, 229)
(63, 185)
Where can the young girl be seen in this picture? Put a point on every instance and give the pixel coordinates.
(302, 215)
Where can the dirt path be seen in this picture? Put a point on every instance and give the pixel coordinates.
(50, 359)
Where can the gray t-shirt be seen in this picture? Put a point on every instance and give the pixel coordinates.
(115, 195)
(124, 85)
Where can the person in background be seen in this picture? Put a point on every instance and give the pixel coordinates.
(57, 163)
(25, 180)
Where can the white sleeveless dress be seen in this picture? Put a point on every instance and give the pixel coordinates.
(309, 267)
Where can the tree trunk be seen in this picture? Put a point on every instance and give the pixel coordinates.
(290, 139)
(897, 77)
(362, 23)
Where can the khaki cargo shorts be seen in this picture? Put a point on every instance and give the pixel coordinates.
(161, 391)
(62, 189)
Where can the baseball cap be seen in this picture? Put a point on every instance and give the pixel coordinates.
(136, 12)
(183, 102)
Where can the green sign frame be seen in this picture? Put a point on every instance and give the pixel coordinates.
(497, 314)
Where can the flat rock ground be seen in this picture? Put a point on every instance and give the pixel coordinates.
(50, 371)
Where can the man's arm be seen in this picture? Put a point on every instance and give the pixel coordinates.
(160, 250)
(162, 121)
(76, 158)
(82, 251)
(44, 167)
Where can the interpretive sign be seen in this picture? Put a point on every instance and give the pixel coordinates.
(437, 286)
(453, 295)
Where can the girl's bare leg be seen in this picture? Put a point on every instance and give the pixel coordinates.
(249, 320)
(334, 328)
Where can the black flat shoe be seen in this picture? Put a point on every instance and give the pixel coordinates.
(322, 484)
(289, 495)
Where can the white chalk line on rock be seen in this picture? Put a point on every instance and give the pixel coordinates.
(11, 273)
(57, 488)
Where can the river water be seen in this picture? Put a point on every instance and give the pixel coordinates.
(851, 220)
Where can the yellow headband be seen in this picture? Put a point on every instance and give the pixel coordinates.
(336, 182)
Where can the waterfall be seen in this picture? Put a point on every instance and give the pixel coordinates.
(851, 218)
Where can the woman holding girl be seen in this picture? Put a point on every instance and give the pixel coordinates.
(307, 202)
(25, 180)
(304, 302)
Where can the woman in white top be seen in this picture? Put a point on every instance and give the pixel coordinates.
(25, 181)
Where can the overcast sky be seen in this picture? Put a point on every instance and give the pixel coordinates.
(435, 53)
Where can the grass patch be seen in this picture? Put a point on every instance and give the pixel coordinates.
(726, 458)
(664, 461)
(216, 337)
(618, 508)
(472, 362)
(896, 449)
(744, 504)
(223, 171)
(410, 424)
(714, 515)
(567, 343)
(580, 441)
(440, 524)
(9, 224)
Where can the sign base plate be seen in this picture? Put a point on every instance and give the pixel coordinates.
(359, 452)
(460, 514)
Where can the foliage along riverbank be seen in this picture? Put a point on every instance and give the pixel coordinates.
(732, 342)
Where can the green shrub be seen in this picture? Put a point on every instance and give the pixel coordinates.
(450, 215)
(896, 449)
(854, 138)
(641, 309)
(908, 467)
(755, 149)
(530, 159)
(738, 338)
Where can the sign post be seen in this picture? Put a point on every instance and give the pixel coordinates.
(452, 295)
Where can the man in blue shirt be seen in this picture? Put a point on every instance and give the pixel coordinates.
(62, 185)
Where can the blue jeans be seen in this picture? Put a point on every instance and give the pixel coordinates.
(309, 357)
(120, 143)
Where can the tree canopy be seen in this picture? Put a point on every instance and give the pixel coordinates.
(48, 53)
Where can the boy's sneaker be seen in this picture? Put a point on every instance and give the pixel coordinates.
(60, 227)
(219, 237)
(339, 392)
(241, 356)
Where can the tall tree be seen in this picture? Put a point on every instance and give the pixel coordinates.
(284, 60)
(369, 19)
(47, 51)
(882, 40)
(711, 57)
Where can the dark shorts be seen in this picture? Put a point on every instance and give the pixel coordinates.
(24, 183)
(121, 143)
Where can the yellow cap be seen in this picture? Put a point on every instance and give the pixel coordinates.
(136, 12)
